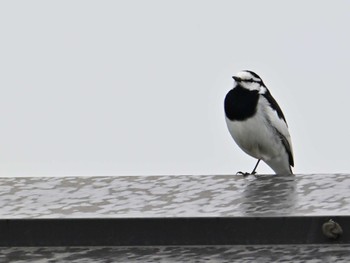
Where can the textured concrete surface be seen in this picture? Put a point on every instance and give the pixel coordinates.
(261, 254)
(175, 196)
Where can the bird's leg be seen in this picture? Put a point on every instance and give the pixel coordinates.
(252, 173)
(256, 166)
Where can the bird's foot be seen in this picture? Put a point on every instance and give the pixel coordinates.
(242, 173)
(246, 173)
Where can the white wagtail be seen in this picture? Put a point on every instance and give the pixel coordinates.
(257, 123)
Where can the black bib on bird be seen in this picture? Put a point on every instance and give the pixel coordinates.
(241, 104)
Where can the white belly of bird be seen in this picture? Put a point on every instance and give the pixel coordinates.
(256, 137)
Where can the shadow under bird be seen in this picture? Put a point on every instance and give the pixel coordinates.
(257, 123)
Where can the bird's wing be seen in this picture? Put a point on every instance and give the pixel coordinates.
(278, 121)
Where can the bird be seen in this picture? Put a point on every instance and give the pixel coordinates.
(257, 123)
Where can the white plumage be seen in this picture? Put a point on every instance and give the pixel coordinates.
(257, 124)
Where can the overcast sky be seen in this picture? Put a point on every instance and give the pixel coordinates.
(137, 87)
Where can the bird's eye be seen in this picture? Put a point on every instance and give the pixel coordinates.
(253, 81)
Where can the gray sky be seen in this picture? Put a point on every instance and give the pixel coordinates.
(137, 87)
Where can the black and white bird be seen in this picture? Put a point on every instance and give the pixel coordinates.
(257, 123)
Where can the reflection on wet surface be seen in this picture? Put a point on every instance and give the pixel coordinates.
(174, 196)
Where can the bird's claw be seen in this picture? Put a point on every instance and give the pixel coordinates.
(242, 173)
(245, 174)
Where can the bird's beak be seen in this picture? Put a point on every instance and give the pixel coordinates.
(237, 79)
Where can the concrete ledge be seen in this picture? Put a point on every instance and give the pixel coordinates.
(175, 196)
(173, 210)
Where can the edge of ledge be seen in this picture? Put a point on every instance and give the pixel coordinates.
(170, 231)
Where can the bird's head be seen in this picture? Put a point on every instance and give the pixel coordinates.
(249, 80)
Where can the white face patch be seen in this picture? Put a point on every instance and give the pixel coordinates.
(250, 82)
(245, 75)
